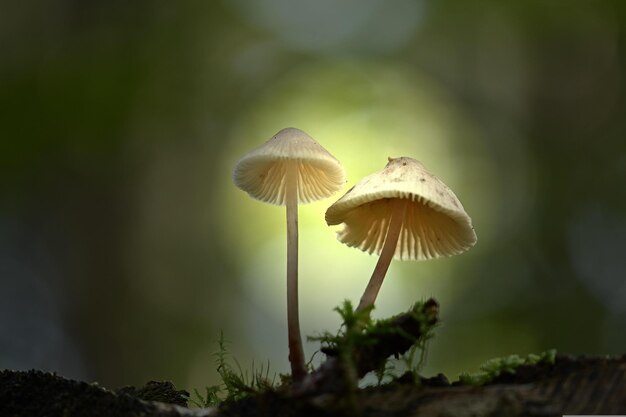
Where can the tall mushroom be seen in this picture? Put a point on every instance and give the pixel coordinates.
(288, 169)
(402, 212)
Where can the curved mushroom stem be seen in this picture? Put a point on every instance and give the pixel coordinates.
(386, 255)
(296, 353)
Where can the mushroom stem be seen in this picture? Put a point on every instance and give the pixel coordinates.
(296, 353)
(386, 255)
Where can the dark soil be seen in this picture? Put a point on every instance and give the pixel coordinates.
(35, 393)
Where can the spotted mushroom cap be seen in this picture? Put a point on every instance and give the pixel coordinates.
(435, 223)
(261, 172)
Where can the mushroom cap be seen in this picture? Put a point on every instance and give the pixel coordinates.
(435, 223)
(262, 172)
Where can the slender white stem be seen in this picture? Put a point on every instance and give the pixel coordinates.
(296, 353)
(386, 255)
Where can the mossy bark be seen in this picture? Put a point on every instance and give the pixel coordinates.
(570, 386)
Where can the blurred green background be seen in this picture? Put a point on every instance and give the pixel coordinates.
(125, 248)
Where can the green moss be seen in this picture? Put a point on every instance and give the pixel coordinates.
(493, 368)
(359, 331)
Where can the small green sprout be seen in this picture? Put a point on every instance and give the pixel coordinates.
(235, 385)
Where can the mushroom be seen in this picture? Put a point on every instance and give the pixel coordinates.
(402, 212)
(288, 169)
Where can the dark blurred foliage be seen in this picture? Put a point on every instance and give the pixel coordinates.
(94, 95)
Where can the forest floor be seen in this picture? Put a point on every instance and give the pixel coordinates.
(545, 384)
(572, 385)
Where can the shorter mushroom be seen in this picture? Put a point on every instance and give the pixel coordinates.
(402, 212)
(289, 169)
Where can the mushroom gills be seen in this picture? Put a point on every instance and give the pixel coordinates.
(426, 232)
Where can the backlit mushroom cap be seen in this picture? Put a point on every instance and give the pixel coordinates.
(261, 172)
(435, 223)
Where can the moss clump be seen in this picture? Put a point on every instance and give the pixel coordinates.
(365, 345)
(493, 368)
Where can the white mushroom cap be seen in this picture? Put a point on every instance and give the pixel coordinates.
(435, 223)
(261, 172)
